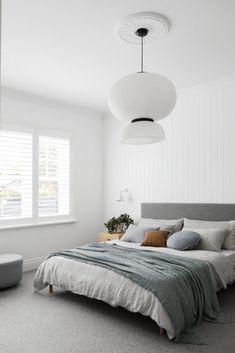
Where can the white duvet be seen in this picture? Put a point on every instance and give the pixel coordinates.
(110, 287)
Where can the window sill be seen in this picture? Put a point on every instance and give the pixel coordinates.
(29, 225)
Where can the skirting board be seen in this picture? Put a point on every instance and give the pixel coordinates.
(32, 264)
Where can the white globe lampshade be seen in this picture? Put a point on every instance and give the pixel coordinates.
(142, 132)
(142, 95)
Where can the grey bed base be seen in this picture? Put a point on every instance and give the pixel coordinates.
(202, 211)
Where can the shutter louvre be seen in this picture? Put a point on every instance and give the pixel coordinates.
(15, 175)
(54, 177)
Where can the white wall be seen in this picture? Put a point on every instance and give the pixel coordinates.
(196, 162)
(86, 129)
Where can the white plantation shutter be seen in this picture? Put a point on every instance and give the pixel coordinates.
(54, 176)
(34, 178)
(15, 175)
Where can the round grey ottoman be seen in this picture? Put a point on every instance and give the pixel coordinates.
(10, 269)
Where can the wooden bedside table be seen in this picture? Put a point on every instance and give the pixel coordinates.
(108, 236)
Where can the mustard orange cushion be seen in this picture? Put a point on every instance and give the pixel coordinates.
(155, 238)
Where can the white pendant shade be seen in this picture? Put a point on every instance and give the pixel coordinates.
(142, 132)
(142, 95)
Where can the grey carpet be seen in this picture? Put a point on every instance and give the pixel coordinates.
(67, 323)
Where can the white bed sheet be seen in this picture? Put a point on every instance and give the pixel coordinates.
(108, 286)
(230, 254)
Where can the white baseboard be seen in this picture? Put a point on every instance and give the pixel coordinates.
(32, 264)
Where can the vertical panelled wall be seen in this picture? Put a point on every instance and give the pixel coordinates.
(196, 162)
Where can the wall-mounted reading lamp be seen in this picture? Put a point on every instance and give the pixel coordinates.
(122, 195)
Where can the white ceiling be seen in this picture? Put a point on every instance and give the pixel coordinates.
(67, 49)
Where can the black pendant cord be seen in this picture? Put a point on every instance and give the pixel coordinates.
(141, 32)
(142, 55)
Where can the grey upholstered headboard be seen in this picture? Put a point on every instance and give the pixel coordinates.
(203, 211)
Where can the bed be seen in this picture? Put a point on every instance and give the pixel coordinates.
(115, 289)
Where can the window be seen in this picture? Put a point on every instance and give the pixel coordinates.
(34, 177)
(15, 175)
(53, 195)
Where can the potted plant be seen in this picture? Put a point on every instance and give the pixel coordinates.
(119, 224)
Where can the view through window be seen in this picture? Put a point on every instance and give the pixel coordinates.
(34, 176)
(53, 176)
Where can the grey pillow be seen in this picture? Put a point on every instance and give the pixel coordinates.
(184, 240)
(176, 224)
(212, 239)
(229, 242)
(135, 234)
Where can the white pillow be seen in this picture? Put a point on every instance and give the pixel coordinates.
(229, 242)
(135, 233)
(176, 224)
(211, 239)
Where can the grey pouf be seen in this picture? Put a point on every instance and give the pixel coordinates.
(11, 266)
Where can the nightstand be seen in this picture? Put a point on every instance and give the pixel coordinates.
(108, 236)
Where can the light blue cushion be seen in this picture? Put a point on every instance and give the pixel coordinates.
(184, 240)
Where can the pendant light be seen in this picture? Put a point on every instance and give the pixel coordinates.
(142, 98)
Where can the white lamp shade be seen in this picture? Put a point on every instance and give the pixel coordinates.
(123, 195)
(142, 95)
(142, 132)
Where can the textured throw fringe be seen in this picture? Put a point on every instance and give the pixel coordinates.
(190, 337)
(221, 319)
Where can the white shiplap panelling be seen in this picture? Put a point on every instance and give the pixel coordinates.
(196, 162)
